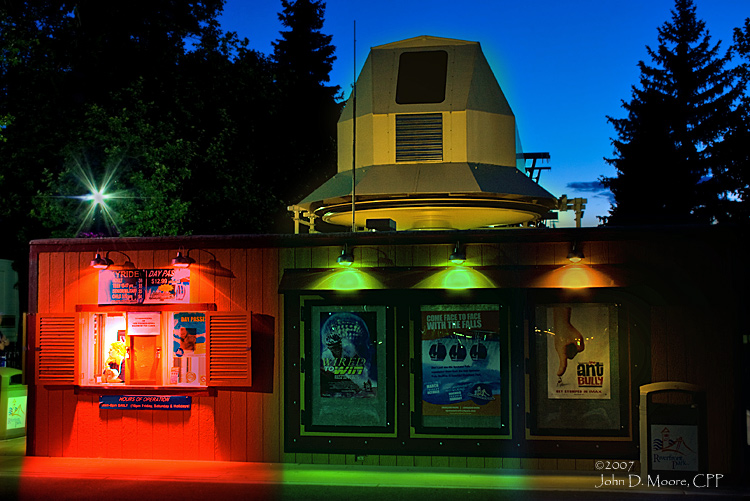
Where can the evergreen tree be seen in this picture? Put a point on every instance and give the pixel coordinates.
(665, 150)
(732, 173)
(308, 111)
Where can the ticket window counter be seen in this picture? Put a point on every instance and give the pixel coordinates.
(177, 347)
(144, 348)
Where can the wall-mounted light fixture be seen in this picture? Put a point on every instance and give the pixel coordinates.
(346, 258)
(102, 263)
(213, 266)
(576, 254)
(181, 261)
(458, 256)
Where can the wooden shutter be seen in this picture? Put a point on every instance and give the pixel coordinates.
(228, 348)
(56, 349)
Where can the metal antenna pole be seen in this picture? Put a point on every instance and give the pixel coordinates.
(354, 130)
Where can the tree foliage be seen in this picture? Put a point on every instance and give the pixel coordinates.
(669, 147)
(142, 117)
(187, 127)
(308, 111)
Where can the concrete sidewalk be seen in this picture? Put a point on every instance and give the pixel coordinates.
(29, 478)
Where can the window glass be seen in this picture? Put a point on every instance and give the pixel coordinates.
(145, 348)
(348, 368)
(463, 353)
(577, 368)
(422, 77)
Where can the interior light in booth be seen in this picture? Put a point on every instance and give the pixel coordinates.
(102, 263)
(458, 256)
(576, 254)
(346, 258)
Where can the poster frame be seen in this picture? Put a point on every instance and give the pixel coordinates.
(538, 378)
(386, 379)
(504, 431)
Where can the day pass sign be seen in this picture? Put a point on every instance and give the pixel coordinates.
(145, 402)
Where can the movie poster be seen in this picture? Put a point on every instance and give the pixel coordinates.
(348, 355)
(188, 349)
(460, 361)
(578, 352)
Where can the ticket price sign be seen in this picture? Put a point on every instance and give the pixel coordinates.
(153, 286)
(121, 286)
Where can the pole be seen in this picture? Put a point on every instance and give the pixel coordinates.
(354, 130)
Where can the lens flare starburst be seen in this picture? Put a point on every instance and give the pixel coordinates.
(97, 212)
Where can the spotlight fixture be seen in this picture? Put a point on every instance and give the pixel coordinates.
(458, 256)
(102, 263)
(575, 255)
(346, 258)
(182, 261)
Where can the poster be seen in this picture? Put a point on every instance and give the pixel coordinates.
(461, 361)
(188, 349)
(171, 285)
(348, 358)
(144, 286)
(578, 352)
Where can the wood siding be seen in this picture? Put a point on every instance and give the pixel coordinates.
(693, 319)
(233, 425)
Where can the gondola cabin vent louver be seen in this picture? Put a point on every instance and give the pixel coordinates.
(419, 138)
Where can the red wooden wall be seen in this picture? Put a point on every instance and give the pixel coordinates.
(233, 425)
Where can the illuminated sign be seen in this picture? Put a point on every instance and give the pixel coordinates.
(146, 402)
(144, 286)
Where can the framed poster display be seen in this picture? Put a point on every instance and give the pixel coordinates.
(463, 377)
(579, 386)
(346, 385)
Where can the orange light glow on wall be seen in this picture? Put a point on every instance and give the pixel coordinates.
(575, 276)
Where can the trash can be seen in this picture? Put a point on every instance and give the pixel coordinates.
(673, 433)
(13, 397)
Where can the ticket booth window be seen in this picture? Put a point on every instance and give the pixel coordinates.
(145, 348)
(100, 346)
